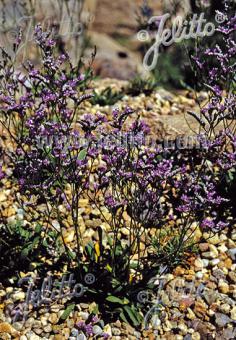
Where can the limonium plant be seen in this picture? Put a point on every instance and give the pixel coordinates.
(215, 68)
(156, 197)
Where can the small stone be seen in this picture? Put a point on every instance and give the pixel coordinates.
(53, 318)
(66, 332)
(116, 331)
(208, 255)
(200, 309)
(44, 320)
(29, 323)
(198, 263)
(183, 328)
(2, 293)
(222, 319)
(137, 334)
(199, 275)
(23, 337)
(214, 250)
(223, 237)
(179, 271)
(32, 336)
(165, 299)
(223, 287)
(179, 337)
(125, 231)
(118, 324)
(225, 308)
(221, 265)
(228, 333)
(167, 326)
(211, 311)
(60, 337)
(3, 197)
(48, 329)
(190, 315)
(38, 331)
(215, 262)
(197, 233)
(9, 290)
(214, 240)
(196, 336)
(232, 290)
(185, 303)
(84, 315)
(107, 329)
(218, 274)
(232, 276)
(97, 330)
(205, 263)
(228, 263)
(232, 253)
(169, 277)
(231, 244)
(37, 324)
(155, 322)
(84, 306)
(83, 202)
(188, 337)
(203, 247)
(81, 336)
(74, 332)
(222, 248)
(70, 323)
(7, 328)
(189, 277)
(18, 326)
(233, 313)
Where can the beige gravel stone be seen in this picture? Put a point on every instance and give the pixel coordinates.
(53, 318)
(233, 313)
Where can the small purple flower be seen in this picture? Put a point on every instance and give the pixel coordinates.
(89, 329)
(221, 225)
(81, 325)
(208, 224)
(95, 319)
(2, 174)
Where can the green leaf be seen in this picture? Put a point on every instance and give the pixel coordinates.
(35, 241)
(82, 154)
(132, 315)
(67, 312)
(115, 299)
(137, 314)
(123, 317)
(25, 252)
(90, 250)
(71, 254)
(38, 228)
(45, 243)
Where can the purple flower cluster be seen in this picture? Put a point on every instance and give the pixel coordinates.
(216, 68)
(88, 328)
